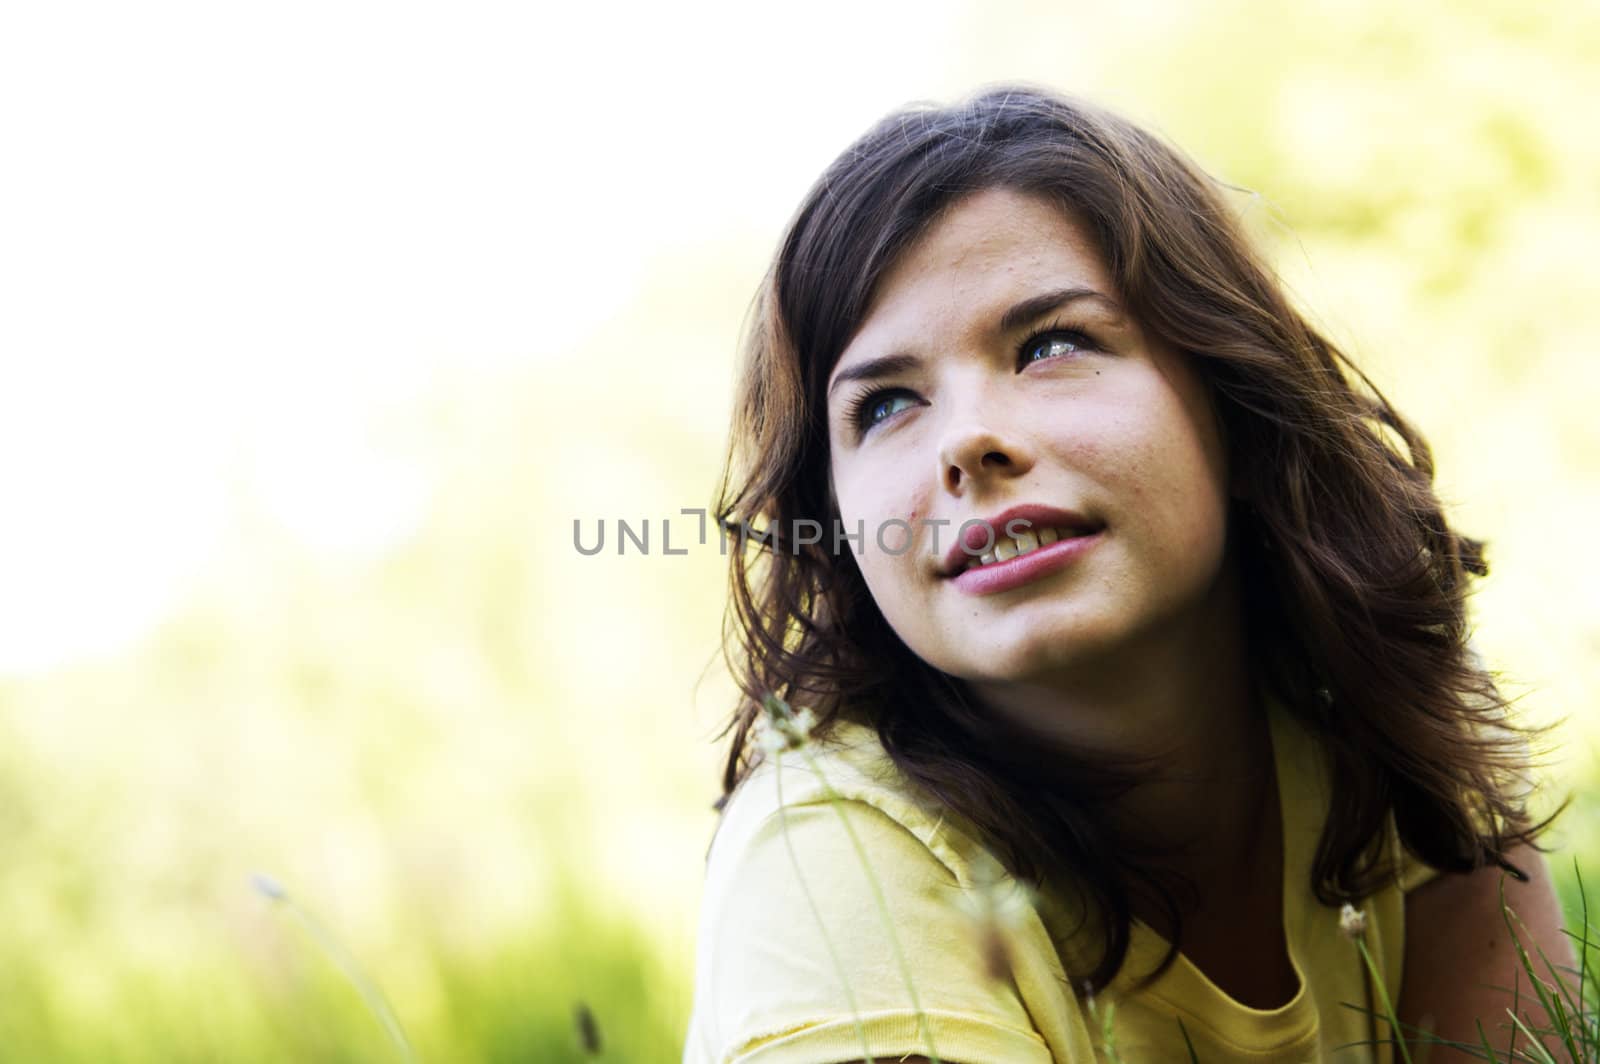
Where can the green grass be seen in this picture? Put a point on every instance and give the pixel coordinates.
(517, 1002)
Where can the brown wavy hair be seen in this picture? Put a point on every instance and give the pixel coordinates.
(1354, 584)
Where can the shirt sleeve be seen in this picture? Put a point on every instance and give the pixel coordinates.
(1412, 871)
(803, 964)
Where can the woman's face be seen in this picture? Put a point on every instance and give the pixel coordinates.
(1015, 379)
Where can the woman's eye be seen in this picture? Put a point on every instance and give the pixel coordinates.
(875, 408)
(1053, 344)
(887, 407)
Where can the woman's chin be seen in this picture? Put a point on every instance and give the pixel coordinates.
(1040, 658)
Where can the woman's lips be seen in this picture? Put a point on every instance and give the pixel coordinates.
(996, 577)
(982, 534)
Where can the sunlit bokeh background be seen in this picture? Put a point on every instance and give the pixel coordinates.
(321, 324)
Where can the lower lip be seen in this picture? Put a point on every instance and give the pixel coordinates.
(996, 577)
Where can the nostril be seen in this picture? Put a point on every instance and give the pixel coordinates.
(954, 472)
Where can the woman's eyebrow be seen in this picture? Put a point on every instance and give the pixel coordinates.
(874, 368)
(1045, 302)
(1019, 315)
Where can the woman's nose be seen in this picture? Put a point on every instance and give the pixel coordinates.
(977, 450)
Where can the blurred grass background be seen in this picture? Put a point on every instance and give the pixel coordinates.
(323, 323)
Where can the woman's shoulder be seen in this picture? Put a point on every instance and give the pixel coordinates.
(831, 889)
(847, 764)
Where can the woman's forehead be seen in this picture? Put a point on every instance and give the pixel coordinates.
(975, 262)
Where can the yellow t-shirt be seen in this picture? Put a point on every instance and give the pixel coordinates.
(768, 987)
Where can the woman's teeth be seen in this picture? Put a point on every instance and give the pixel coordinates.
(1008, 547)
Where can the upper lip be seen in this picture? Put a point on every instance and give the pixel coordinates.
(962, 551)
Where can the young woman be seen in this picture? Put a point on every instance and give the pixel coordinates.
(1130, 636)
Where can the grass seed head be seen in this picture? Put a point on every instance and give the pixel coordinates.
(1352, 921)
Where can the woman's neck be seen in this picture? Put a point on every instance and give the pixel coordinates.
(1188, 700)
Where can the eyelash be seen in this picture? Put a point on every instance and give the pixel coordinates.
(858, 408)
(1081, 340)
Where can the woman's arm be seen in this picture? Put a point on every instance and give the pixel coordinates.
(1460, 961)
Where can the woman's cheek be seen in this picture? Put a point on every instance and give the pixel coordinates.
(856, 522)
